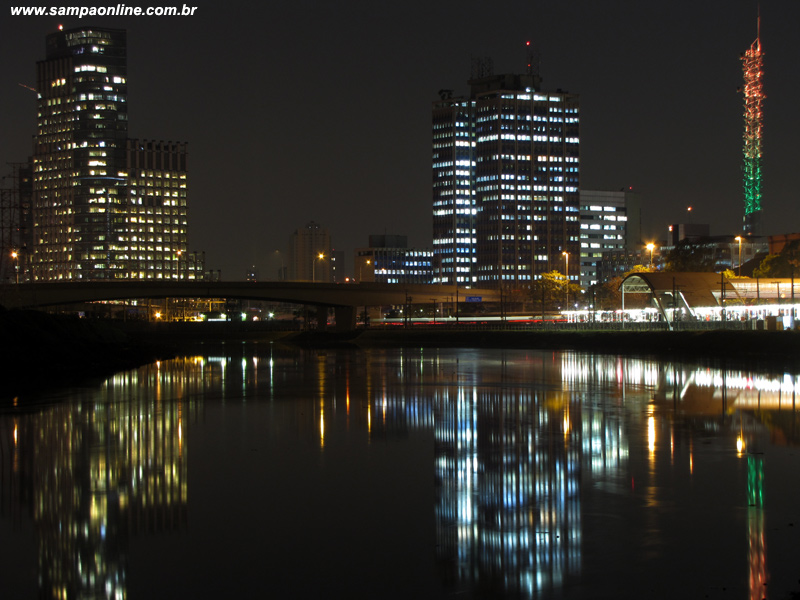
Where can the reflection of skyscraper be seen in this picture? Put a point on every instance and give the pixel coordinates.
(99, 471)
(508, 472)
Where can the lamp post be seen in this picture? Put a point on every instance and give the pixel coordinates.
(566, 268)
(15, 256)
(739, 239)
(361, 266)
(319, 256)
(651, 246)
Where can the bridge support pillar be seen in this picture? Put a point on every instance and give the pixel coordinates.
(322, 317)
(345, 318)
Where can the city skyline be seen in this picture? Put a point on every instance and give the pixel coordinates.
(316, 112)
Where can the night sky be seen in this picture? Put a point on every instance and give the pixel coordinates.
(305, 110)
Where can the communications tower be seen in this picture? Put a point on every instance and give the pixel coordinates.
(752, 65)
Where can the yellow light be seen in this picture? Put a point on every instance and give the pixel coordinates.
(158, 315)
(321, 256)
(739, 444)
(651, 246)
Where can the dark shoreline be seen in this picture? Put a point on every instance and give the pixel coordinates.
(772, 347)
(43, 351)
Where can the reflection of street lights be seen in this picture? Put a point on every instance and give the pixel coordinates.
(651, 246)
(566, 268)
(15, 256)
(738, 238)
(319, 256)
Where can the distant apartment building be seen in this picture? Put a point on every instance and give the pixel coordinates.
(388, 259)
(103, 206)
(610, 222)
(310, 254)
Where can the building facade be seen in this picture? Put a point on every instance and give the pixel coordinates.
(506, 176)
(310, 254)
(388, 259)
(610, 223)
(104, 206)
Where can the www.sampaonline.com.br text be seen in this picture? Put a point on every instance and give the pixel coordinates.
(119, 10)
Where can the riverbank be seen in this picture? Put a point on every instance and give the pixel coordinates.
(770, 346)
(41, 350)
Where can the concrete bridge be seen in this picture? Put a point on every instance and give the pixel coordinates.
(344, 298)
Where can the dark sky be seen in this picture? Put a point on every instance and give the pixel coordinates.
(309, 110)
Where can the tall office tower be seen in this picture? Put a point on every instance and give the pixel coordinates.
(310, 254)
(610, 222)
(506, 179)
(453, 190)
(80, 191)
(104, 206)
(157, 212)
(752, 66)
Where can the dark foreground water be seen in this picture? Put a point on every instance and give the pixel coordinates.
(256, 472)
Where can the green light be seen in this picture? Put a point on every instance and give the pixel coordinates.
(755, 481)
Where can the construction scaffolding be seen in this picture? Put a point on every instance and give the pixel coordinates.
(16, 191)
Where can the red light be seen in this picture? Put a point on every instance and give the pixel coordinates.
(527, 43)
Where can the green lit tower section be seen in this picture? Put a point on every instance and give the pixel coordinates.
(752, 65)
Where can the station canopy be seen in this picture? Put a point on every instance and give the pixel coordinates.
(693, 290)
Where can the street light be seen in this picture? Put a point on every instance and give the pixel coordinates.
(651, 246)
(738, 238)
(15, 256)
(319, 256)
(566, 268)
(361, 266)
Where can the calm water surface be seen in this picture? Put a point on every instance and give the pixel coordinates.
(259, 472)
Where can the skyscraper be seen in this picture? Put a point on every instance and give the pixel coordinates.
(505, 182)
(104, 207)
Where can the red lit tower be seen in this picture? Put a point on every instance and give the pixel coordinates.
(752, 65)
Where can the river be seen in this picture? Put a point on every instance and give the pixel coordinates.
(253, 471)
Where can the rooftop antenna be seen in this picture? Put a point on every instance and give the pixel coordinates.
(532, 59)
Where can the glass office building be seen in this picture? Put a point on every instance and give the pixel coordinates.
(505, 182)
(104, 206)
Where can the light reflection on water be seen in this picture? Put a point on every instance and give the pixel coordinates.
(535, 457)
